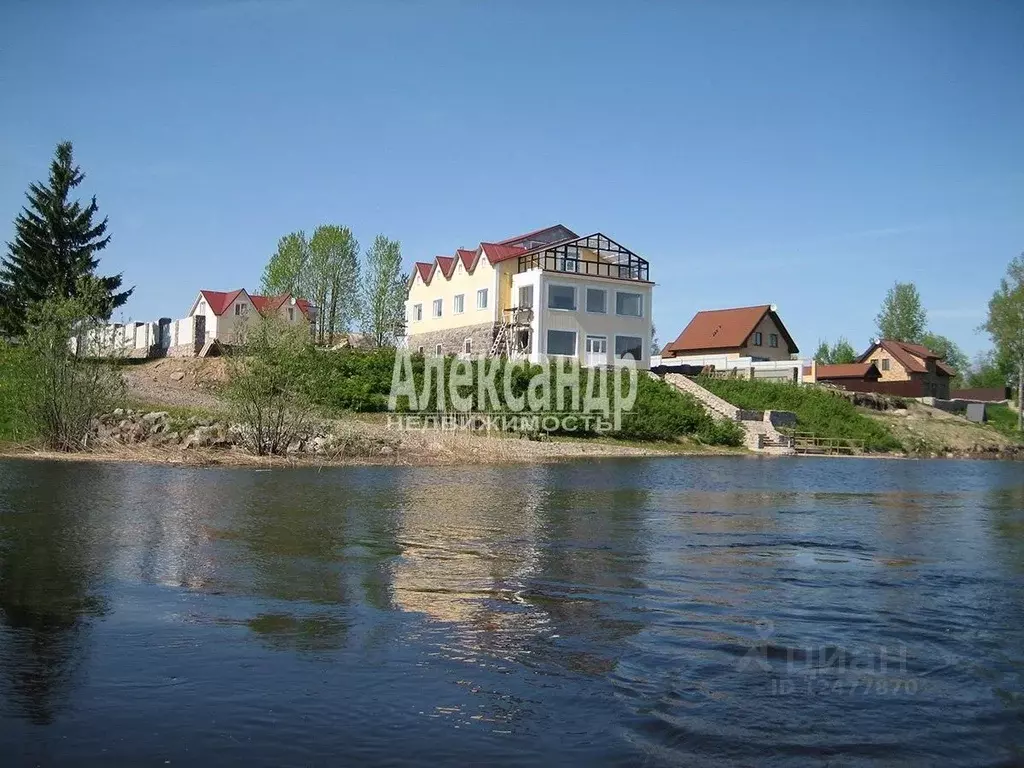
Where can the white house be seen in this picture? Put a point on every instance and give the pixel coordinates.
(545, 293)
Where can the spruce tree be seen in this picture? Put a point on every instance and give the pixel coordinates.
(55, 246)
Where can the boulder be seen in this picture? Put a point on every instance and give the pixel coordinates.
(177, 376)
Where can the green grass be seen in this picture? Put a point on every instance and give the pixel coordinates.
(817, 410)
(1003, 419)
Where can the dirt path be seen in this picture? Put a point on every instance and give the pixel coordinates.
(180, 382)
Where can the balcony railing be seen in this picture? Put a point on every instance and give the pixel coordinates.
(594, 255)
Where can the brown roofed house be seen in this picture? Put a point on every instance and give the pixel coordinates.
(755, 332)
(846, 372)
(902, 361)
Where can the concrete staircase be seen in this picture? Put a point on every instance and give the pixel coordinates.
(762, 436)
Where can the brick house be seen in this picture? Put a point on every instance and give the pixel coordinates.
(900, 361)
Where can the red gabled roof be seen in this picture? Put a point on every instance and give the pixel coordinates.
(725, 329)
(219, 301)
(913, 357)
(847, 371)
(496, 252)
(468, 257)
(446, 263)
(424, 268)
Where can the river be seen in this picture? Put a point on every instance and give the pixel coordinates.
(705, 611)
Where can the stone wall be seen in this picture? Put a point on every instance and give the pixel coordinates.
(453, 340)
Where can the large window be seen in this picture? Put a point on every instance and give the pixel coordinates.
(561, 342)
(417, 312)
(629, 348)
(481, 299)
(437, 307)
(459, 303)
(561, 297)
(526, 296)
(597, 300)
(631, 304)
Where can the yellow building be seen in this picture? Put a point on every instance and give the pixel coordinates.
(545, 293)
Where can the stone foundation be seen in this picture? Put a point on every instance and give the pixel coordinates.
(183, 350)
(453, 340)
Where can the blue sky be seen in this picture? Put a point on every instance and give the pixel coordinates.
(805, 153)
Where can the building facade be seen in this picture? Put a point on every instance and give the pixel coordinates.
(742, 332)
(549, 293)
(899, 361)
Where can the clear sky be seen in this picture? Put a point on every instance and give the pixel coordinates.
(800, 153)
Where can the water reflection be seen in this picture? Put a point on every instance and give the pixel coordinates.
(49, 588)
(578, 613)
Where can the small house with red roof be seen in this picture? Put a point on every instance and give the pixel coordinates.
(757, 333)
(900, 361)
(221, 316)
(546, 293)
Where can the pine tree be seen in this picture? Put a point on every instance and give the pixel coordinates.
(54, 248)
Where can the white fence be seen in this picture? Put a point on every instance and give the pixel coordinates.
(741, 367)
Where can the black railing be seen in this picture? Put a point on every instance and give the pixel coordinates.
(594, 255)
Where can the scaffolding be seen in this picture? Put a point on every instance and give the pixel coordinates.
(512, 339)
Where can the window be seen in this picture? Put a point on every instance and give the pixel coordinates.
(885, 364)
(562, 343)
(417, 312)
(596, 348)
(459, 304)
(291, 314)
(629, 347)
(467, 346)
(773, 339)
(201, 309)
(437, 350)
(757, 338)
(561, 297)
(437, 307)
(526, 296)
(481, 299)
(631, 304)
(597, 300)
(240, 309)
(419, 350)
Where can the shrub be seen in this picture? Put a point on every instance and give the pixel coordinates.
(266, 395)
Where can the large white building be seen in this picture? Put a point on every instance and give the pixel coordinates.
(545, 293)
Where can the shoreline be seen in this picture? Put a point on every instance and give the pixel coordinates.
(554, 452)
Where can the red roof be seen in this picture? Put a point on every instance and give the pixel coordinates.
(424, 268)
(864, 371)
(724, 329)
(468, 257)
(221, 301)
(496, 252)
(913, 357)
(446, 263)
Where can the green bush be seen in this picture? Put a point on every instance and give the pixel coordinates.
(358, 380)
(817, 410)
(15, 424)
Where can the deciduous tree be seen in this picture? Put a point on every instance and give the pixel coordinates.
(286, 270)
(1005, 324)
(840, 353)
(951, 353)
(383, 291)
(334, 275)
(902, 317)
(55, 245)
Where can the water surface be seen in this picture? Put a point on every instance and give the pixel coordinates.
(661, 612)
